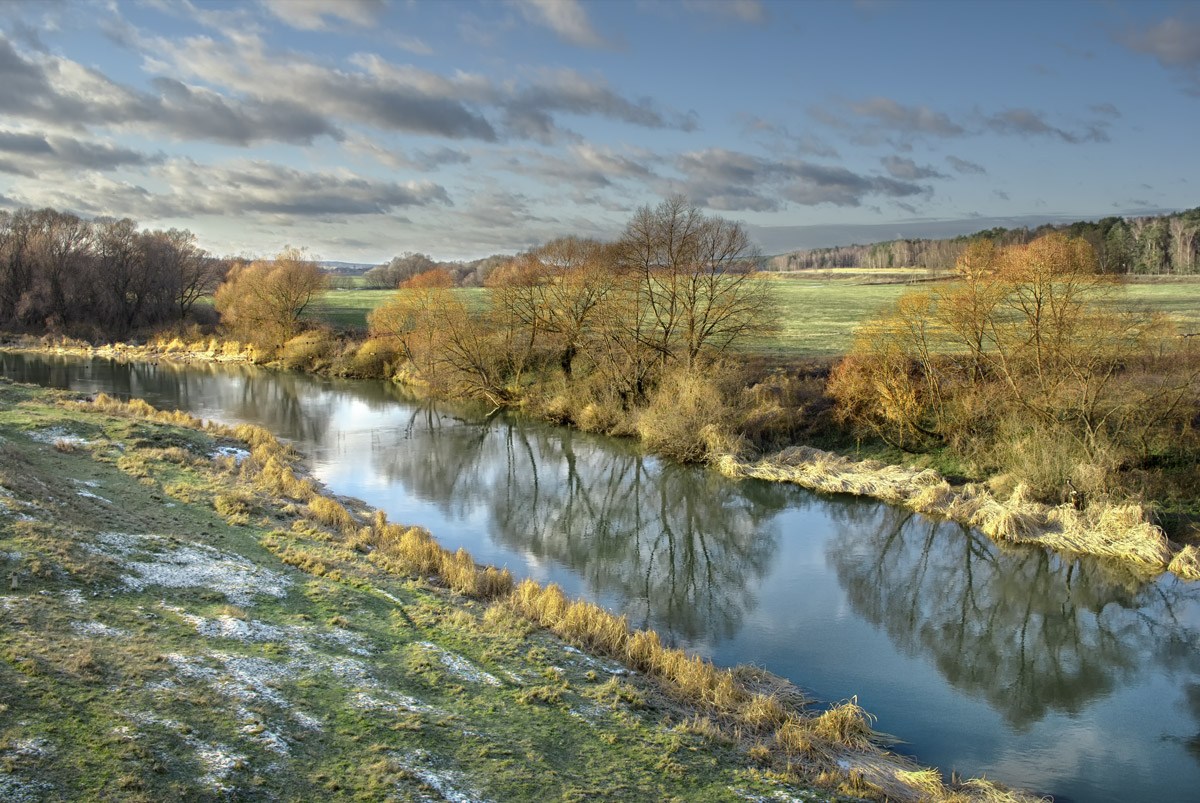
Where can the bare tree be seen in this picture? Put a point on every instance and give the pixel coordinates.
(698, 281)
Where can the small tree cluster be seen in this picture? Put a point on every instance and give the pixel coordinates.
(677, 291)
(264, 301)
(103, 277)
(1027, 364)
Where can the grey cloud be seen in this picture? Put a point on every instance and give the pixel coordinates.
(90, 194)
(965, 167)
(820, 184)
(28, 152)
(805, 143)
(393, 97)
(1106, 109)
(315, 15)
(901, 168)
(498, 209)
(727, 180)
(1175, 42)
(288, 98)
(429, 160)
(908, 119)
(258, 187)
(1027, 122)
(589, 168)
(527, 111)
(62, 93)
(250, 188)
(195, 112)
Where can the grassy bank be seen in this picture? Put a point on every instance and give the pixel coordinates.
(184, 615)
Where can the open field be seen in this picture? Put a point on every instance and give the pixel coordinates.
(347, 309)
(168, 630)
(818, 316)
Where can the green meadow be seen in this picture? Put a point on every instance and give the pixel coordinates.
(818, 312)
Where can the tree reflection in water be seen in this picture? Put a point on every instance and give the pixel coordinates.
(683, 548)
(1027, 630)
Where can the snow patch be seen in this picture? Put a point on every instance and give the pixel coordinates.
(237, 454)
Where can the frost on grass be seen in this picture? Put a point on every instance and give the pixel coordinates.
(447, 783)
(218, 762)
(298, 639)
(394, 704)
(57, 435)
(99, 629)
(778, 796)
(460, 667)
(90, 495)
(15, 790)
(592, 662)
(156, 562)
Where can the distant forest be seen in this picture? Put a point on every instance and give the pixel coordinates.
(1166, 244)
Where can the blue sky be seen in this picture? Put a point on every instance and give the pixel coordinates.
(362, 129)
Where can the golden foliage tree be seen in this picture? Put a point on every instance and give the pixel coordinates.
(1031, 338)
(265, 301)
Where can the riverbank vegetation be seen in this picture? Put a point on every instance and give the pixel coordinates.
(254, 637)
(1025, 375)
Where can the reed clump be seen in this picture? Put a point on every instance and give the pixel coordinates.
(332, 514)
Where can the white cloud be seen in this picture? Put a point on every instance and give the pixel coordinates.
(317, 15)
(566, 18)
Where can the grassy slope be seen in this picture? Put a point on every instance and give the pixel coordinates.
(817, 315)
(153, 649)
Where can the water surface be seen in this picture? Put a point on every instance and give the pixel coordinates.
(1066, 677)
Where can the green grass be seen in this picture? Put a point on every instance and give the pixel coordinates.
(127, 673)
(818, 315)
(347, 309)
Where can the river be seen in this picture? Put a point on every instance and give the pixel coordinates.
(1064, 677)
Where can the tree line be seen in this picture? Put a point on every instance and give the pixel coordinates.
(409, 264)
(1165, 244)
(97, 278)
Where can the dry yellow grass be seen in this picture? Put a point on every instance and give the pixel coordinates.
(1186, 563)
(1120, 531)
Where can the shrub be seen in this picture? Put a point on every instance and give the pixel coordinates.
(309, 351)
(687, 419)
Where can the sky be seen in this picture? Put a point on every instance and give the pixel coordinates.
(363, 129)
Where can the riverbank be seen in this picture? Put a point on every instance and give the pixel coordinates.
(176, 493)
(1120, 532)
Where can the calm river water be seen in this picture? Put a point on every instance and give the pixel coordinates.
(1062, 677)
